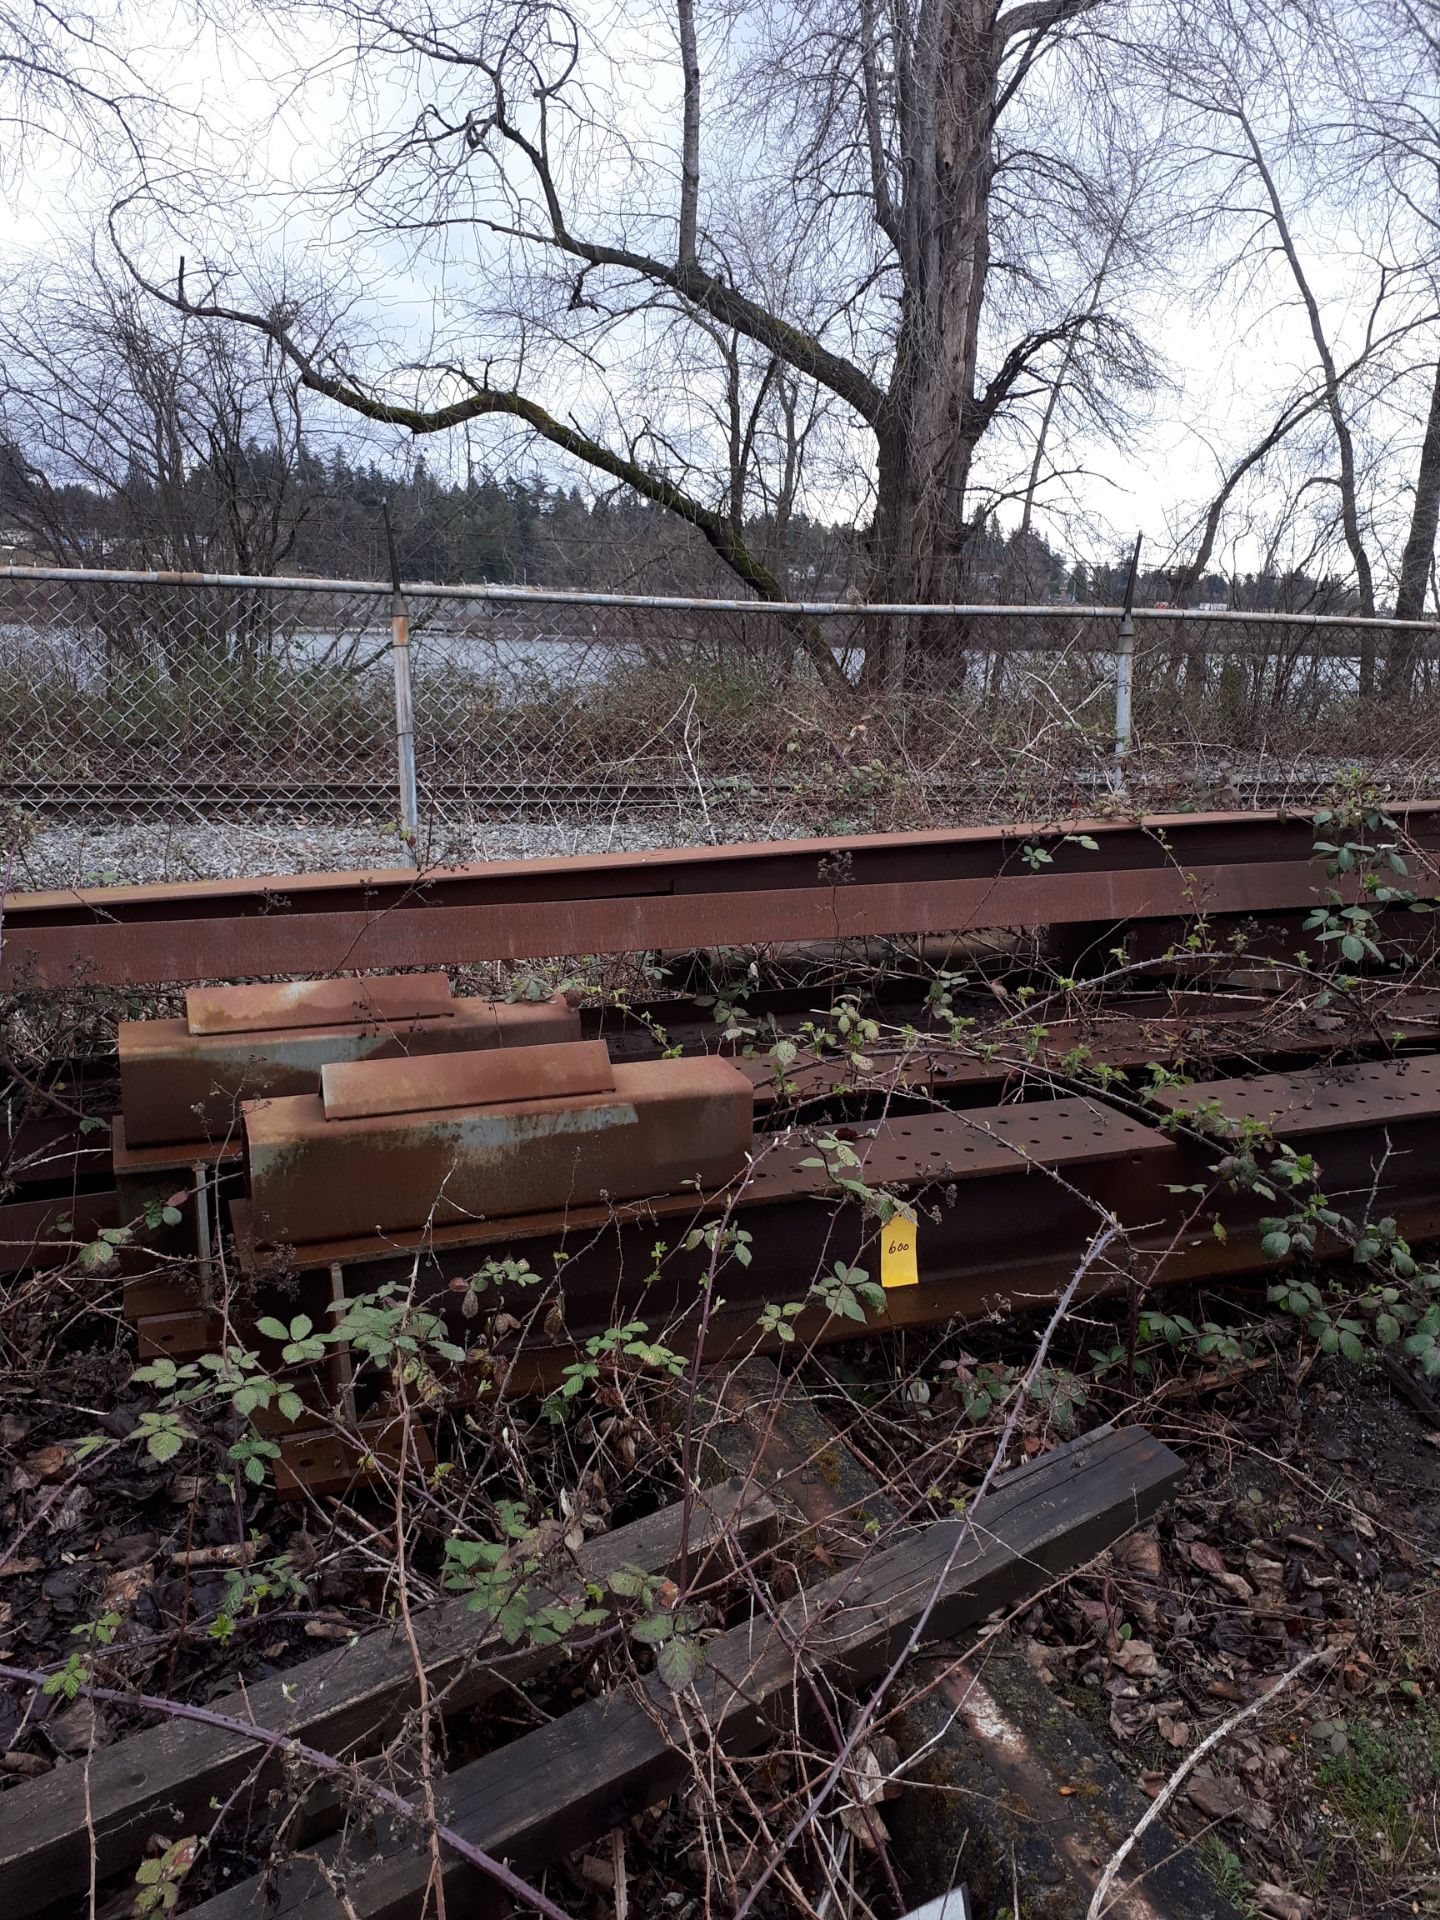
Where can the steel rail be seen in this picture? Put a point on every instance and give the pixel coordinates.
(680, 603)
(220, 794)
(1098, 874)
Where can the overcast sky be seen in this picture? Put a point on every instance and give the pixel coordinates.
(263, 118)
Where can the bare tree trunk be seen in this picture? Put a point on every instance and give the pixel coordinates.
(690, 134)
(1334, 403)
(1419, 555)
(930, 423)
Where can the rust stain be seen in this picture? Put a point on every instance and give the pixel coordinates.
(369, 1089)
(318, 1003)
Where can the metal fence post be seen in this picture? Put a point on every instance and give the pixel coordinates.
(1125, 676)
(404, 705)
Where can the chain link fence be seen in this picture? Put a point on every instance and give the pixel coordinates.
(158, 727)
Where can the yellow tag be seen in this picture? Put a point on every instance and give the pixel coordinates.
(898, 1266)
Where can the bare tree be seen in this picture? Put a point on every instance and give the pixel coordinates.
(1311, 123)
(1395, 114)
(189, 433)
(64, 75)
(838, 188)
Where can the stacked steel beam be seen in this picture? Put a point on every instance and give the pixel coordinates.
(350, 1131)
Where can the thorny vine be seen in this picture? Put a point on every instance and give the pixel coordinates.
(500, 1517)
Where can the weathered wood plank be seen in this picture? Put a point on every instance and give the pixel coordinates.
(346, 1702)
(764, 1424)
(555, 1789)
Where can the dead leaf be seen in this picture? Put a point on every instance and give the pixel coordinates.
(79, 1728)
(1217, 1799)
(866, 1778)
(1262, 1569)
(1281, 1904)
(1209, 1562)
(1137, 1658)
(1139, 1553)
(1177, 1732)
(868, 1783)
(14, 1569)
(125, 1587)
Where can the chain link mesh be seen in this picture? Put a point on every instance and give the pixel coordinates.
(163, 729)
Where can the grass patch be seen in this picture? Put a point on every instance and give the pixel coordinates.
(1225, 1869)
(1384, 1768)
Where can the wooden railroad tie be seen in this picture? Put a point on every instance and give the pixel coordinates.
(558, 1788)
(347, 1702)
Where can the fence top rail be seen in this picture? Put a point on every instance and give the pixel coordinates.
(678, 603)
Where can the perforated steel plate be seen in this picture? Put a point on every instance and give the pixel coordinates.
(1323, 1100)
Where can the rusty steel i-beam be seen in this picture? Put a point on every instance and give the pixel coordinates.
(1096, 873)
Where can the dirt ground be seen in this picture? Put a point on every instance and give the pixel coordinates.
(1310, 1519)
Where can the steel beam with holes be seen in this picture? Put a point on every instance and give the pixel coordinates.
(994, 1226)
(1005, 1200)
(1167, 867)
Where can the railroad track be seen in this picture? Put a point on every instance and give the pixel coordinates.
(220, 798)
(120, 799)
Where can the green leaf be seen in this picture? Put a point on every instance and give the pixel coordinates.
(272, 1328)
(654, 1629)
(465, 1553)
(678, 1662)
